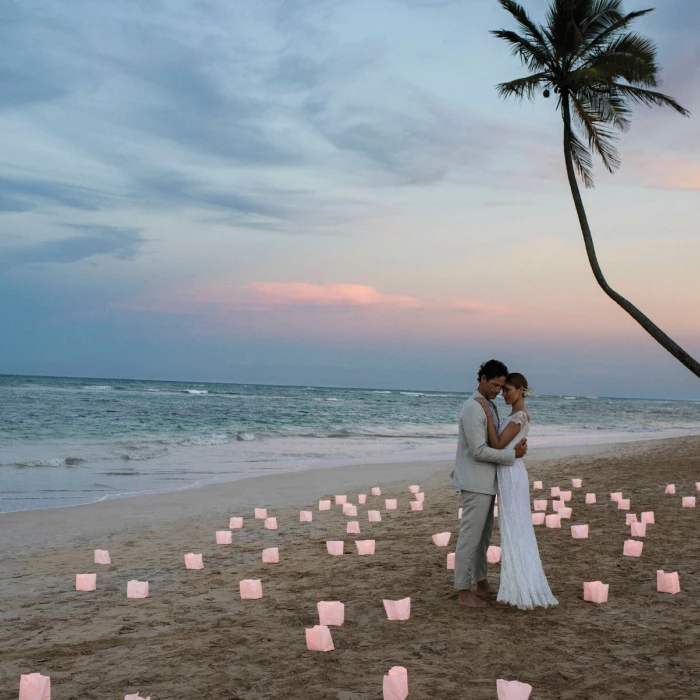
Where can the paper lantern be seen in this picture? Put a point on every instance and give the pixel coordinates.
(459, 513)
(596, 592)
(137, 589)
(667, 583)
(102, 557)
(376, 491)
(324, 505)
(224, 537)
(697, 485)
(564, 513)
(350, 510)
(136, 696)
(335, 547)
(398, 609)
(670, 489)
(318, 638)
(193, 561)
(442, 539)
(85, 582)
(306, 516)
(362, 498)
(451, 561)
(616, 496)
(648, 517)
(270, 523)
(331, 612)
(414, 488)
(251, 589)
(261, 513)
(340, 500)
(364, 547)
(553, 521)
(579, 532)
(34, 686)
(495, 511)
(390, 503)
(639, 529)
(537, 518)
(632, 548)
(395, 684)
(537, 486)
(420, 496)
(416, 505)
(512, 690)
(554, 492)
(374, 516)
(271, 555)
(565, 495)
(235, 523)
(688, 501)
(353, 528)
(556, 505)
(493, 554)
(577, 483)
(540, 505)
(590, 498)
(623, 504)
(630, 518)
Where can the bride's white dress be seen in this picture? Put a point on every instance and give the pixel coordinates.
(523, 582)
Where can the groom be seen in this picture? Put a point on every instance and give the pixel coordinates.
(475, 476)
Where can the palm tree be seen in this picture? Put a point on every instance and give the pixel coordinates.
(587, 55)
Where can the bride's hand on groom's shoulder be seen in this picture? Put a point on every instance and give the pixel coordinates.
(484, 404)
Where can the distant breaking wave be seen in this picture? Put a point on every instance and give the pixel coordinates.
(195, 391)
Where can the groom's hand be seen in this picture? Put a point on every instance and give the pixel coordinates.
(521, 449)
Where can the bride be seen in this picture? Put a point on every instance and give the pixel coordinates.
(523, 582)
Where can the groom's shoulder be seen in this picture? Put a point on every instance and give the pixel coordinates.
(470, 406)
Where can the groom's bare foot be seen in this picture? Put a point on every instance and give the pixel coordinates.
(484, 588)
(469, 600)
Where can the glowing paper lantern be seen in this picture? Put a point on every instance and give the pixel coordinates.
(416, 505)
(554, 492)
(362, 498)
(324, 505)
(512, 690)
(596, 592)
(553, 521)
(136, 696)
(565, 495)
(353, 528)
(616, 496)
(390, 503)
(224, 537)
(442, 539)
(577, 483)
(590, 498)
(270, 523)
(271, 555)
(85, 582)
(261, 513)
(670, 489)
(623, 504)
(335, 547)
(579, 532)
(537, 518)
(639, 529)
(415, 488)
(365, 547)
(137, 589)
(374, 516)
(564, 513)
(340, 500)
(235, 523)
(420, 496)
(398, 609)
(34, 686)
(632, 548)
(688, 501)
(395, 684)
(493, 554)
(537, 486)
(376, 491)
(331, 612)
(102, 557)
(648, 517)
(318, 638)
(459, 513)
(306, 516)
(350, 510)
(193, 561)
(451, 561)
(540, 505)
(251, 589)
(667, 583)
(630, 518)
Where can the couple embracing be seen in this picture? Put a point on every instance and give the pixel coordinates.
(489, 461)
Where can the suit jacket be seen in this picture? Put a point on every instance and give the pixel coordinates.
(475, 464)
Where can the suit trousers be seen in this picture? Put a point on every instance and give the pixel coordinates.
(475, 530)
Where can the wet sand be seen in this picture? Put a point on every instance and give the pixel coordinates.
(195, 637)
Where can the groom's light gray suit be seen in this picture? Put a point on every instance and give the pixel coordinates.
(475, 474)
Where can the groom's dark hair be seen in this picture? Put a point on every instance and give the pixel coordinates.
(491, 370)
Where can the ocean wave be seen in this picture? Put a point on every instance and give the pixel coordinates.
(51, 462)
(245, 437)
(195, 391)
(332, 398)
(98, 387)
(143, 456)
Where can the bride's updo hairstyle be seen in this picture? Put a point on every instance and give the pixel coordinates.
(518, 381)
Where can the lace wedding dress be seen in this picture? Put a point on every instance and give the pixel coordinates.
(523, 582)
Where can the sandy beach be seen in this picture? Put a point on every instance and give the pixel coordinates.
(195, 637)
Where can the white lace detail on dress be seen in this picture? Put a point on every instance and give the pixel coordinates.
(523, 582)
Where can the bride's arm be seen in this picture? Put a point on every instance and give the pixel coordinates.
(497, 441)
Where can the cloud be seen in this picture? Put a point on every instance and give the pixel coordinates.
(304, 294)
(26, 194)
(121, 243)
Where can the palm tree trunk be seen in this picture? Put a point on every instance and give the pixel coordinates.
(659, 336)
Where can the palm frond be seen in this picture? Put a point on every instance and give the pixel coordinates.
(522, 88)
(531, 29)
(610, 106)
(530, 55)
(600, 138)
(649, 98)
(581, 157)
(599, 15)
(606, 34)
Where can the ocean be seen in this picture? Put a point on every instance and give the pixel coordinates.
(70, 441)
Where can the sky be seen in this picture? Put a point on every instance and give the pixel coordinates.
(330, 192)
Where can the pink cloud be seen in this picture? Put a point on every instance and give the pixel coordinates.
(306, 294)
(663, 172)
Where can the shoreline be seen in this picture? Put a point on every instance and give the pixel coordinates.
(66, 526)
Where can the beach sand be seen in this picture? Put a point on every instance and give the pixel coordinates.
(194, 636)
